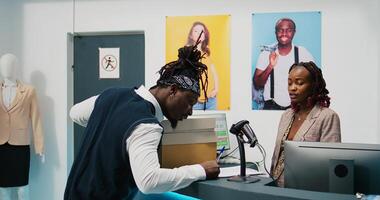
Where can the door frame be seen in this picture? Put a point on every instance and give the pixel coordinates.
(70, 83)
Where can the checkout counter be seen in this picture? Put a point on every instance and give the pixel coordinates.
(221, 189)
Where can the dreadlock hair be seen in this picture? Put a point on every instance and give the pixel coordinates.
(188, 64)
(319, 93)
(205, 42)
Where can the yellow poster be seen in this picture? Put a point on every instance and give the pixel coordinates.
(215, 45)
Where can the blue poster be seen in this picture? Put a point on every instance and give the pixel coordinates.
(278, 41)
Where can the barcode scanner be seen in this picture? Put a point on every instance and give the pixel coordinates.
(242, 128)
(239, 129)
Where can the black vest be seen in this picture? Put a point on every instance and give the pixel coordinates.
(101, 169)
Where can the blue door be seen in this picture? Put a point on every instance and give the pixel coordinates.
(86, 67)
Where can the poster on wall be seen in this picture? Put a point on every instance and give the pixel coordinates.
(215, 46)
(278, 41)
(109, 62)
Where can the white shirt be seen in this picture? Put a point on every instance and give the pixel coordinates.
(9, 93)
(142, 149)
(281, 70)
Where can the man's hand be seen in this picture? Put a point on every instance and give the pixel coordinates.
(273, 57)
(211, 168)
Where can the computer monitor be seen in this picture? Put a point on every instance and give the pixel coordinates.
(221, 129)
(333, 167)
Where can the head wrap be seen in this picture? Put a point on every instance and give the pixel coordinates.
(186, 71)
(183, 82)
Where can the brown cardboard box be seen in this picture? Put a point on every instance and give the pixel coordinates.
(193, 141)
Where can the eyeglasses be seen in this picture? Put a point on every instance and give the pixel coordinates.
(288, 30)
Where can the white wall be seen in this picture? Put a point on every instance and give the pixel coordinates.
(378, 70)
(37, 32)
(8, 26)
(349, 53)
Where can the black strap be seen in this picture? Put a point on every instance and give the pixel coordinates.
(296, 60)
(272, 84)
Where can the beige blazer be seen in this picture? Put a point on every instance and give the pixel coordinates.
(321, 125)
(15, 120)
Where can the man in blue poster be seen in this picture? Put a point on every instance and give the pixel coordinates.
(273, 64)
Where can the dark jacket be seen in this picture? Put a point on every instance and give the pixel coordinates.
(101, 169)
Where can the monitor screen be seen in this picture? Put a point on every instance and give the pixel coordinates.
(332, 167)
(221, 129)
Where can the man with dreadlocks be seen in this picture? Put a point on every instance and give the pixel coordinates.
(118, 155)
(309, 119)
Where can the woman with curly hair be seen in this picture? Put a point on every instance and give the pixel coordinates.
(309, 119)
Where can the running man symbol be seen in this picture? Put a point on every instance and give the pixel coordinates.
(109, 62)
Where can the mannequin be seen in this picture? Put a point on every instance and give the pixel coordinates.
(18, 109)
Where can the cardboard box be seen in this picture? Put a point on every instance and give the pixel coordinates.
(193, 141)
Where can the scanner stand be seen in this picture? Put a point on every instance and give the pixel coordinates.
(242, 177)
